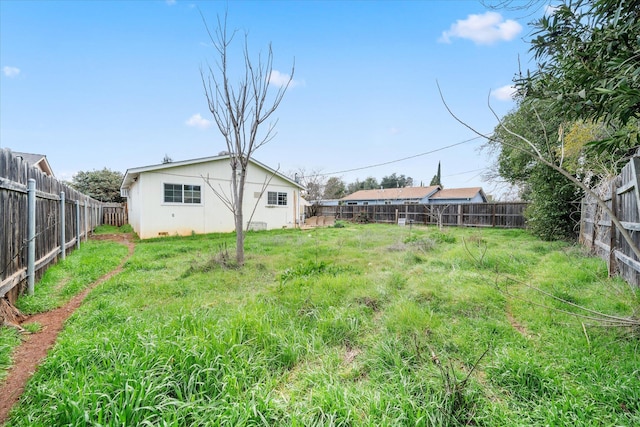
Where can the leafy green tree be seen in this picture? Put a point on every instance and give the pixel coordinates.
(553, 198)
(335, 188)
(554, 212)
(436, 180)
(368, 184)
(395, 181)
(103, 185)
(588, 57)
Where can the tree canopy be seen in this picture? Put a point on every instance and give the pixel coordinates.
(437, 178)
(370, 183)
(396, 181)
(588, 66)
(103, 185)
(335, 188)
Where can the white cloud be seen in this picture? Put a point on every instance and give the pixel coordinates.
(483, 29)
(197, 121)
(279, 79)
(504, 93)
(11, 71)
(65, 176)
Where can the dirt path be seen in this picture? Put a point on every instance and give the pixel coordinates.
(28, 355)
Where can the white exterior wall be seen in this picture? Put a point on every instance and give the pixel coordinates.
(134, 207)
(151, 217)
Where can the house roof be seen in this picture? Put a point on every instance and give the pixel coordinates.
(459, 193)
(38, 160)
(132, 174)
(393, 193)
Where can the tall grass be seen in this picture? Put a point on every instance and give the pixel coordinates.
(352, 326)
(73, 274)
(58, 285)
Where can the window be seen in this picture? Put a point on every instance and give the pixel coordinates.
(179, 193)
(192, 194)
(277, 199)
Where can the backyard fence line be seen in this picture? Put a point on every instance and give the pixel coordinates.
(600, 235)
(114, 214)
(41, 219)
(499, 215)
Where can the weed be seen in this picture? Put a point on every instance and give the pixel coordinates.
(442, 237)
(397, 281)
(32, 327)
(221, 259)
(305, 334)
(311, 269)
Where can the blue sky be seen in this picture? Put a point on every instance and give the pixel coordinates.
(117, 84)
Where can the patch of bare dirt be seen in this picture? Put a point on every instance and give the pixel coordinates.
(35, 346)
(516, 325)
(350, 355)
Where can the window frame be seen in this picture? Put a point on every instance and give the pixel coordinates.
(277, 198)
(190, 194)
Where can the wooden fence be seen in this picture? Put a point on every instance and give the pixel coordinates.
(114, 214)
(60, 218)
(598, 233)
(504, 215)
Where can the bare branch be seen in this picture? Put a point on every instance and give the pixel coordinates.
(239, 110)
(265, 184)
(538, 156)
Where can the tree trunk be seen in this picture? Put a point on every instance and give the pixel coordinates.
(239, 240)
(240, 216)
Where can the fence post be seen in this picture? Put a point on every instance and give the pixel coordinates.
(460, 215)
(613, 231)
(63, 241)
(86, 221)
(493, 215)
(77, 224)
(31, 235)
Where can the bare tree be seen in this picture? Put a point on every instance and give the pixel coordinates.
(314, 183)
(240, 110)
(437, 212)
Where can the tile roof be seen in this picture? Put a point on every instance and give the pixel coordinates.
(393, 193)
(457, 193)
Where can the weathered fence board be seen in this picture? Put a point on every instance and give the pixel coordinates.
(15, 174)
(503, 215)
(114, 214)
(599, 234)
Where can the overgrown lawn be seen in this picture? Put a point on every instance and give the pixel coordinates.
(364, 325)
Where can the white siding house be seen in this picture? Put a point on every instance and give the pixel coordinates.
(177, 198)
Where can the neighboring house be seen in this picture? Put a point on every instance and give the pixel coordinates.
(38, 160)
(459, 195)
(177, 198)
(414, 196)
(391, 196)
